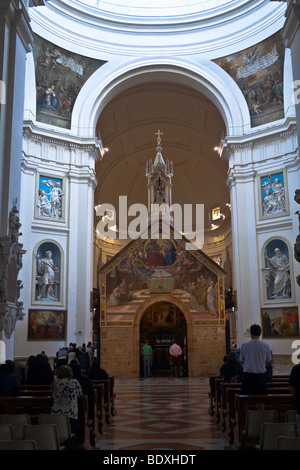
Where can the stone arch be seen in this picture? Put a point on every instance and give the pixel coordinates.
(206, 77)
(171, 299)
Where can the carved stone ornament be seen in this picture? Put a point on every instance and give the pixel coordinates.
(297, 244)
(11, 253)
(297, 249)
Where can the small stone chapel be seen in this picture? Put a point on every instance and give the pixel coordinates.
(156, 290)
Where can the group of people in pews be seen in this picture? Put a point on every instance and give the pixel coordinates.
(251, 366)
(66, 383)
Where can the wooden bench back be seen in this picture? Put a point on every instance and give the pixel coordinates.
(281, 402)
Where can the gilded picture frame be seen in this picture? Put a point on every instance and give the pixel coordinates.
(46, 325)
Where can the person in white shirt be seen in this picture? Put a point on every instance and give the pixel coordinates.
(175, 351)
(255, 358)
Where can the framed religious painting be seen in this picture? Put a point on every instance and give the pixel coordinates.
(50, 198)
(273, 195)
(277, 271)
(281, 322)
(47, 325)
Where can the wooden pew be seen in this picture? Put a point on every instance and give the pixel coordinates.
(82, 423)
(113, 410)
(281, 402)
(41, 390)
(99, 404)
(231, 417)
(212, 394)
(108, 397)
(34, 393)
(218, 382)
(32, 405)
(224, 404)
(38, 404)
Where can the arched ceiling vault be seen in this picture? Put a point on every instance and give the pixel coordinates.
(192, 127)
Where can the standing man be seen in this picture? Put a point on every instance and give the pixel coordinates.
(175, 351)
(147, 358)
(294, 384)
(255, 358)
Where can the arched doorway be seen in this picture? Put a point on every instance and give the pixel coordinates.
(161, 323)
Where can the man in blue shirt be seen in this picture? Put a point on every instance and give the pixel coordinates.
(255, 358)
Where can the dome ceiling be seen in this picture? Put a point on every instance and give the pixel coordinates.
(157, 7)
(106, 28)
(192, 127)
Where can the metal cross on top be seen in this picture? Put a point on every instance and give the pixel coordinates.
(158, 133)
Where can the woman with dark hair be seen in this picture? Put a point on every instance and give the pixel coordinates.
(39, 372)
(9, 384)
(232, 370)
(96, 373)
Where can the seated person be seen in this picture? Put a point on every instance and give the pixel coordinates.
(96, 373)
(232, 370)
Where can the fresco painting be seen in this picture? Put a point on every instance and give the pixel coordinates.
(258, 71)
(155, 266)
(60, 75)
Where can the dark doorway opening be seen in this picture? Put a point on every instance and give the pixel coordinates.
(160, 325)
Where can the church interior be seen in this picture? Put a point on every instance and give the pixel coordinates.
(110, 111)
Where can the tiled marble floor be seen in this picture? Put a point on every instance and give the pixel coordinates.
(162, 413)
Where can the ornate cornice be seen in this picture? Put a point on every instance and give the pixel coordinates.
(259, 138)
(90, 145)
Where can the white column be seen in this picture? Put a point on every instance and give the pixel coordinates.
(291, 34)
(16, 38)
(245, 261)
(80, 255)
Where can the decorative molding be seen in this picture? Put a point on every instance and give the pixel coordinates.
(90, 145)
(254, 140)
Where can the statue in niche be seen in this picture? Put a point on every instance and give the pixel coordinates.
(279, 269)
(159, 193)
(47, 277)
